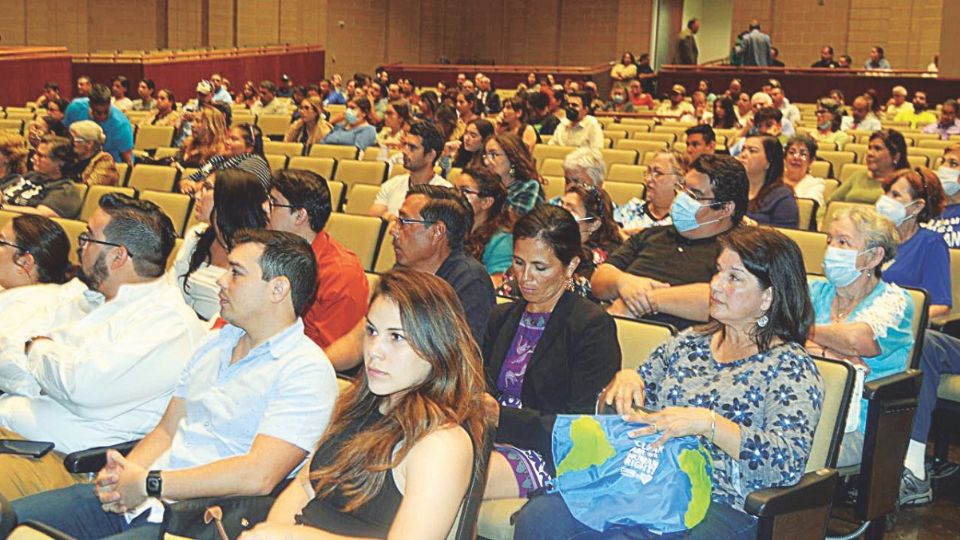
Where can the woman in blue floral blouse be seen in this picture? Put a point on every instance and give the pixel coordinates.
(743, 383)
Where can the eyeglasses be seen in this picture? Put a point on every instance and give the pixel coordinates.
(492, 155)
(405, 221)
(85, 238)
(274, 204)
(656, 175)
(694, 196)
(584, 218)
(468, 191)
(11, 244)
(798, 154)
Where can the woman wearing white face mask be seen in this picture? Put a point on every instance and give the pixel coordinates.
(948, 223)
(858, 316)
(912, 198)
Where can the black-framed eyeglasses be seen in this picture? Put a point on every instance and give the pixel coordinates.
(85, 238)
(468, 191)
(405, 221)
(11, 244)
(694, 196)
(274, 204)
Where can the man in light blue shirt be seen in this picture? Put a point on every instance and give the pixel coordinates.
(248, 408)
(115, 124)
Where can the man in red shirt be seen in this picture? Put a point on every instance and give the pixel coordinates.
(300, 204)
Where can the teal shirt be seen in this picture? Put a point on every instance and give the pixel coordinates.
(498, 255)
(888, 310)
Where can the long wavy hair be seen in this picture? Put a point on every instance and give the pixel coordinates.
(437, 330)
(518, 154)
(210, 142)
(489, 185)
(599, 206)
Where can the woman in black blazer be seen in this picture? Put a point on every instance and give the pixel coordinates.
(550, 353)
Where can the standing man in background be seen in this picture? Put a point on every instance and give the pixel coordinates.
(687, 52)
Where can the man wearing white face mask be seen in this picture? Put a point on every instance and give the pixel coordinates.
(948, 223)
(712, 200)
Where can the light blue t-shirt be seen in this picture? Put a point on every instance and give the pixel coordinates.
(117, 128)
(498, 255)
(284, 388)
(923, 262)
(888, 311)
(361, 137)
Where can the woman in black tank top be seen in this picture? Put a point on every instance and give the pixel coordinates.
(397, 457)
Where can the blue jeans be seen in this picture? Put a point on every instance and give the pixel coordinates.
(940, 356)
(547, 518)
(76, 511)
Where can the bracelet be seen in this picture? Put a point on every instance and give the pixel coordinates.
(713, 425)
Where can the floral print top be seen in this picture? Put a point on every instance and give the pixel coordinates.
(775, 396)
(510, 381)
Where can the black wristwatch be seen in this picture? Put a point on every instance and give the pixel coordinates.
(154, 484)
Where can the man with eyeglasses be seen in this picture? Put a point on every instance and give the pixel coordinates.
(116, 126)
(421, 148)
(947, 124)
(712, 200)
(300, 204)
(246, 411)
(103, 371)
(428, 236)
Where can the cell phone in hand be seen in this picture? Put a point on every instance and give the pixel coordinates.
(34, 449)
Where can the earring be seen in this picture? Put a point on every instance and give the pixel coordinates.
(512, 171)
(763, 321)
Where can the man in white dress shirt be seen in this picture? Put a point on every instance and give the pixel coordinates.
(579, 128)
(103, 372)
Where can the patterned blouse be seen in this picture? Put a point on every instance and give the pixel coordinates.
(775, 397)
(524, 195)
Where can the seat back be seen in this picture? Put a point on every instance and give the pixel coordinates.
(848, 170)
(386, 257)
(621, 172)
(838, 377)
(273, 124)
(92, 201)
(324, 166)
(918, 324)
(352, 172)
(283, 148)
(813, 246)
(544, 151)
(553, 186)
(361, 198)
(153, 177)
(373, 279)
(551, 167)
(954, 313)
(640, 338)
(175, 205)
(334, 151)
(6, 216)
(336, 194)
(808, 214)
(829, 186)
(277, 162)
(465, 527)
(360, 234)
(621, 192)
(642, 147)
(627, 157)
(153, 137)
(837, 159)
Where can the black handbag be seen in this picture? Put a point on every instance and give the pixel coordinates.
(215, 518)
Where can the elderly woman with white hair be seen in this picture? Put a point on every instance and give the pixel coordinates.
(94, 166)
(582, 166)
(664, 174)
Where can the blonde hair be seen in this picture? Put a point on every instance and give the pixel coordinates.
(210, 141)
(15, 151)
(877, 231)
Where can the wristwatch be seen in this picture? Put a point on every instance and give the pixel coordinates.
(154, 484)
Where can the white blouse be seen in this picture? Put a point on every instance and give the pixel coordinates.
(201, 291)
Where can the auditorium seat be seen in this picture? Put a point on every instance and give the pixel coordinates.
(322, 166)
(932, 154)
(92, 201)
(813, 246)
(153, 177)
(808, 214)
(551, 167)
(638, 339)
(938, 144)
(175, 205)
(554, 186)
(386, 257)
(821, 169)
(360, 199)
(352, 172)
(613, 156)
(621, 172)
(334, 151)
(149, 137)
(165, 152)
(277, 162)
(73, 228)
(641, 147)
(621, 192)
(668, 138)
(15, 125)
(544, 151)
(614, 135)
(124, 170)
(848, 170)
(273, 125)
(829, 186)
(837, 159)
(859, 150)
(285, 148)
(360, 234)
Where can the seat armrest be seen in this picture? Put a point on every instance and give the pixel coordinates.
(92, 460)
(814, 490)
(903, 385)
